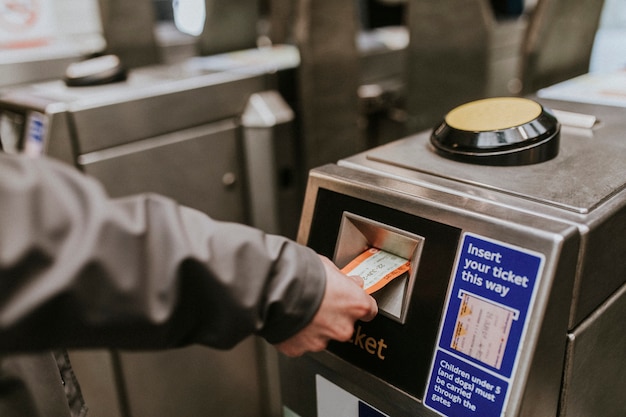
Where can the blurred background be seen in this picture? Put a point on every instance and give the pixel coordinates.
(225, 105)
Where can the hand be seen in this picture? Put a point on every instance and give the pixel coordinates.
(343, 304)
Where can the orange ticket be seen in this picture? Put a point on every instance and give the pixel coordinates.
(377, 268)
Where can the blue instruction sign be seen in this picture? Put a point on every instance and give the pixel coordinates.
(456, 388)
(492, 291)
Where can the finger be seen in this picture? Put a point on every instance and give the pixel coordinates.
(372, 311)
(358, 280)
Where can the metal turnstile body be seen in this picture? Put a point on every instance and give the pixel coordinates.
(516, 296)
(216, 140)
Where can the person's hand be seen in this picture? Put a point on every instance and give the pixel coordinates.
(344, 303)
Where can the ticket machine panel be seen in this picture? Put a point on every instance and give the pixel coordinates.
(381, 346)
(458, 341)
(512, 269)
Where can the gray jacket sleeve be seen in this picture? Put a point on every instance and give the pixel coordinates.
(78, 269)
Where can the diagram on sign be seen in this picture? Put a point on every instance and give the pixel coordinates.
(482, 329)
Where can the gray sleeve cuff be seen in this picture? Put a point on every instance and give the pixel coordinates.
(294, 297)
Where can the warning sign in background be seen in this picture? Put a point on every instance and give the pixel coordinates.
(25, 21)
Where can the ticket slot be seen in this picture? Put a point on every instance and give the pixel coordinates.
(396, 350)
(357, 234)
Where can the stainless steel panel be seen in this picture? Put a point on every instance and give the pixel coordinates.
(383, 55)
(128, 28)
(583, 185)
(448, 57)
(33, 69)
(152, 101)
(229, 26)
(199, 167)
(169, 102)
(173, 130)
(572, 181)
(358, 233)
(271, 164)
(571, 209)
(194, 381)
(601, 270)
(543, 350)
(595, 370)
(435, 202)
(543, 357)
(505, 56)
(557, 45)
(328, 80)
(96, 368)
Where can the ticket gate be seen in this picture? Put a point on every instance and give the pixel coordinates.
(178, 130)
(217, 140)
(516, 293)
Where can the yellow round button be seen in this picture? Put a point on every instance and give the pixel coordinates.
(493, 114)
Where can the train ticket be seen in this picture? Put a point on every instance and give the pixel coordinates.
(377, 268)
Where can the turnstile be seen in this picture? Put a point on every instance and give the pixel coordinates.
(516, 294)
(217, 140)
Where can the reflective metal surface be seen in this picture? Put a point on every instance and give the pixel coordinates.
(583, 180)
(128, 27)
(601, 337)
(199, 136)
(571, 209)
(358, 233)
(325, 34)
(447, 65)
(570, 181)
(558, 42)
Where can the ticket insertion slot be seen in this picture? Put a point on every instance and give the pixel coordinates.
(357, 234)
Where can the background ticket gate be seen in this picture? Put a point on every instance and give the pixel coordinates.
(202, 137)
(515, 298)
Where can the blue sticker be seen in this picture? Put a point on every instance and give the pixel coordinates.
(456, 388)
(35, 134)
(485, 319)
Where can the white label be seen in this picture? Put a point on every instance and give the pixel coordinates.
(334, 401)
